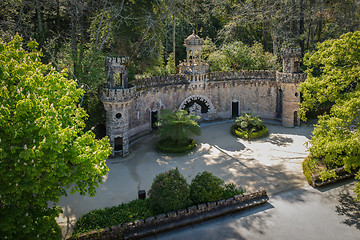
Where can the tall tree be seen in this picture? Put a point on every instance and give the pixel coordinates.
(43, 148)
(334, 76)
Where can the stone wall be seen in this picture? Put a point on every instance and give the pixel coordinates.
(242, 75)
(253, 95)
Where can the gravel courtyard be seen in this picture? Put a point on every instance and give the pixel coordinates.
(272, 162)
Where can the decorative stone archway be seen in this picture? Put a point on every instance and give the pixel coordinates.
(199, 105)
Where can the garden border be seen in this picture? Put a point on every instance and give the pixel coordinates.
(341, 172)
(173, 220)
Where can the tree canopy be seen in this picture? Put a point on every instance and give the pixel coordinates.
(43, 148)
(333, 77)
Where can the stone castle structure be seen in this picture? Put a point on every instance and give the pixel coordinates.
(132, 109)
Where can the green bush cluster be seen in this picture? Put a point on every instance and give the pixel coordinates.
(206, 187)
(167, 147)
(235, 130)
(169, 192)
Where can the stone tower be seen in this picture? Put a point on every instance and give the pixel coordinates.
(116, 98)
(193, 67)
(288, 82)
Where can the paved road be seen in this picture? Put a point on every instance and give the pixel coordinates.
(304, 213)
(273, 162)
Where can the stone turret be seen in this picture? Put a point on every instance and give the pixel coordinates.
(193, 68)
(117, 97)
(288, 82)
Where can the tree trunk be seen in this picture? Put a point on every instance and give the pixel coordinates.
(301, 26)
(174, 26)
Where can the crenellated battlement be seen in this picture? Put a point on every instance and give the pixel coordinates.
(118, 94)
(290, 77)
(159, 81)
(239, 75)
(116, 60)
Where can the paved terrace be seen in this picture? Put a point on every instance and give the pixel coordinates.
(273, 162)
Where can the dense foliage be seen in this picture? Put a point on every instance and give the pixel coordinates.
(112, 216)
(206, 187)
(169, 192)
(43, 148)
(78, 34)
(177, 128)
(239, 56)
(333, 76)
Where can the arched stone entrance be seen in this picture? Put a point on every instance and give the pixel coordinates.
(198, 105)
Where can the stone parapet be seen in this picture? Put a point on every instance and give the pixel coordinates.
(118, 94)
(290, 77)
(159, 81)
(240, 75)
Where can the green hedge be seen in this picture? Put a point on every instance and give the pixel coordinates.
(111, 216)
(306, 170)
(243, 134)
(166, 147)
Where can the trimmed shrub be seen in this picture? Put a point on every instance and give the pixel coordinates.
(307, 171)
(169, 192)
(166, 146)
(111, 216)
(242, 133)
(231, 190)
(206, 187)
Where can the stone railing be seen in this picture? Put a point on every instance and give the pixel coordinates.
(290, 77)
(173, 220)
(118, 94)
(242, 75)
(159, 81)
(193, 69)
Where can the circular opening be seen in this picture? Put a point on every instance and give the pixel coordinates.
(296, 94)
(118, 115)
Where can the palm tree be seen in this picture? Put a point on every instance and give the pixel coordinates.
(178, 126)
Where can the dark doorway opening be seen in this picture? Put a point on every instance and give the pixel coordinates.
(118, 144)
(234, 109)
(153, 119)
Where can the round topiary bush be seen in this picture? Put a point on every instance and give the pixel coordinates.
(237, 131)
(169, 192)
(206, 187)
(249, 127)
(167, 146)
